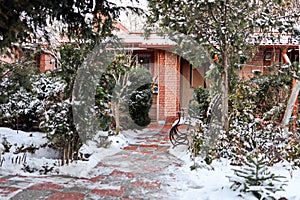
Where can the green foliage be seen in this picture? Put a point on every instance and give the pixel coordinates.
(130, 88)
(254, 177)
(139, 105)
(26, 20)
(201, 144)
(71, 58)
(263, 96)
(200, 107)
(103, 96)
(257, 106)
(20, 107)
(140, 96)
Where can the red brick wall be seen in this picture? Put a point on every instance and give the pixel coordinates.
(258, 62)
(169, 86)
(161, 85)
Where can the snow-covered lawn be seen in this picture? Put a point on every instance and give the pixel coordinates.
(14, 161)
(207, 182)
(213, 182)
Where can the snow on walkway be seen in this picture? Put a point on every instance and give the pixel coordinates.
(146, 167)
(138, 171)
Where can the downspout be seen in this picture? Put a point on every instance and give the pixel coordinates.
(292, 105)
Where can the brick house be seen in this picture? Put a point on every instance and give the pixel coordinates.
(45, 59)
(270, 52)
(174, 76)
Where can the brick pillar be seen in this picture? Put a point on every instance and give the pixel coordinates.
(41, 64)
(172, 83)
(169, 86)
(161, 85)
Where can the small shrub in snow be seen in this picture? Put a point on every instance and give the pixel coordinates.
(5, 145)
(43, 169)
(202, 143)
(250, 138)
(139, 96)
(254, 177)
(200, 106)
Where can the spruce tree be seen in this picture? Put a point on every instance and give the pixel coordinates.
(255, 177)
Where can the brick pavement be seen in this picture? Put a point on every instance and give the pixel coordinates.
(136, 172)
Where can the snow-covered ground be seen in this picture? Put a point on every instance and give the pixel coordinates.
(206, 182)
(213, 183)
(13, 162)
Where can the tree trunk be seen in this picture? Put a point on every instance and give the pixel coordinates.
(117, 117)
(64, 156)
(68, 152)
(225, 89)
(290, 105)
(72, 146)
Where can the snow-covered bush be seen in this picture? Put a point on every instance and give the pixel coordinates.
(58, 116)
(263, 96)
(254, 177)
(47, 86)
(257, 106)
(22, 110)
(140, 96)
(200, 106)
(254, 137)
(129, 93)
(20, 107)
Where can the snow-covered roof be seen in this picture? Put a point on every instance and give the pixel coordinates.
(139, 40)
(283, 41)
(276, 40)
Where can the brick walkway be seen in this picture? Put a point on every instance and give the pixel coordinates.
(136, 172)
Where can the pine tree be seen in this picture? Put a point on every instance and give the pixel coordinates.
(255, 177)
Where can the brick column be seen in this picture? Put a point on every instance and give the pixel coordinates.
(161, 85)
(172, 83)
(169, 86)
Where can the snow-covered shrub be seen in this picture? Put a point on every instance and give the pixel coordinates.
(251, 138)
(200, 106)
(58, 117)
(263, 96)
(254, 177)
(19, 106)
(140, 96)
(200, 143)
(47, 86)
(129, 93)
(58, 123)
(255, 114)
(44, 168)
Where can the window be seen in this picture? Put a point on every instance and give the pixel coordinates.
(268, 55)
(144, 60)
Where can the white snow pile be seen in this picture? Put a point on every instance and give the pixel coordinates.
(212, 181)
(28, 153)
